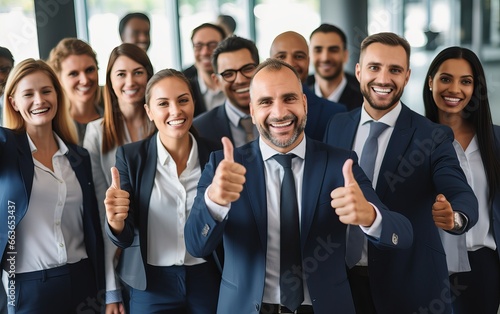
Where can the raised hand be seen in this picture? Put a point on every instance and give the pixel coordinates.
(117, 203)
(349, 202)
(442, 213)
(229, 177)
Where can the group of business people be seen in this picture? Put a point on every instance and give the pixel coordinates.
(286, 208)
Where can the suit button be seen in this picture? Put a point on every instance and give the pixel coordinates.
(395, 239)
(204, 231)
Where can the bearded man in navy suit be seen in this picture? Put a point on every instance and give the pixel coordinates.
(238, 203)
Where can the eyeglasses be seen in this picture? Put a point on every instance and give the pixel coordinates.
(246, 70)
(211, 45)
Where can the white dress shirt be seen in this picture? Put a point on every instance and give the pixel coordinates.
(234, 115)
(481, 234)
(335, 95)
(170, 204)
(51, 232)
(212, 98)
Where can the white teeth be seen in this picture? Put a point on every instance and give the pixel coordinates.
(451, 99)
(130, 91)
(177, 122)
(37, 111)
(382, 90)
(83, 89)
(242, 90)
(280, 125)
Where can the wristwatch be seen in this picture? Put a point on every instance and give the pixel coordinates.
(457, 219)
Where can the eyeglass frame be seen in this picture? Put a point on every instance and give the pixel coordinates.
(236, 72)
(199, 46)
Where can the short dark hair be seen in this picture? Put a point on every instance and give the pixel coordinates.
(389, 39)
(329, 28)
(128, 17)
(227, 20)
(5, 53)
(234, 43)
(219, 29)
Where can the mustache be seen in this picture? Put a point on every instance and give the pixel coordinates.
(282, 119)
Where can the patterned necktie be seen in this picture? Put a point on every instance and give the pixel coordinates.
(247, 125)
(291, 285)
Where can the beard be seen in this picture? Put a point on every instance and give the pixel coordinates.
(366, 89)
(299, 128)
(338, 72)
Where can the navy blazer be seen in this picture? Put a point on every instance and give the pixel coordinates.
(16, 181)
(244, 231)
(136, 163)
(419, 163)
(351, 97)
(214, 124)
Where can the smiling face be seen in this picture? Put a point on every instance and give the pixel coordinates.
(204, 42)
(382, 73)
(137, 32)
(278, 108)
(452, 86)
(79, 79)
(128, 79)
(237, 91)
(328, 55)
(171, 108)
(35, 99)
(291, 48)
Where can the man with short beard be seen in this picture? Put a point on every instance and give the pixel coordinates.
(250, 199)
(328, 45)
(415, 171)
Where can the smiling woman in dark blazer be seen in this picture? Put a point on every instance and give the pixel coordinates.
(146, 213)
(50, 234)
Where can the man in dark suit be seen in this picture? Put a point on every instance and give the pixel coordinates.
(238, 203)
(416, 173)
(234, 62)
(206, 93)
(292, 48)
(329, 53)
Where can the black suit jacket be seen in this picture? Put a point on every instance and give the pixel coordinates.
(214, 124)
(199, 102)
(351, 96)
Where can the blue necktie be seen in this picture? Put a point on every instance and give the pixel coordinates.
(355, 237)
(291, 285)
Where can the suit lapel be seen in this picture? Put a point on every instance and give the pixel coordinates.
(348, 129)
(398, 143)
(146, 187)
(223, 121)
(255, 186)
(27, 171)
(314, 172)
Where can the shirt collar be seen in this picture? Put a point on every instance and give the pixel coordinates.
(389, 118)
(165, 158)
(268, 152)
(63, 149)
(201, 83)
(233, 113)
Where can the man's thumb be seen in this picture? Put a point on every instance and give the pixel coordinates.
(347, 172)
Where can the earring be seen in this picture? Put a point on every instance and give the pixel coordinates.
(430, 88)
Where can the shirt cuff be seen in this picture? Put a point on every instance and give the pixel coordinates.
(217, 211)
(375, 230)
(113, 296)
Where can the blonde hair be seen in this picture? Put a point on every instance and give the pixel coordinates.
(72, 47)
(62, 124)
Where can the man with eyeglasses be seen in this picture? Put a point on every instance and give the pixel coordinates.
(206, 93)
(6, 64)
(234, 61)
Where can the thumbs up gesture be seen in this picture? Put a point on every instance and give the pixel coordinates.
(229, 178)
(350, 203)
(117, 203)
(442, 213)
